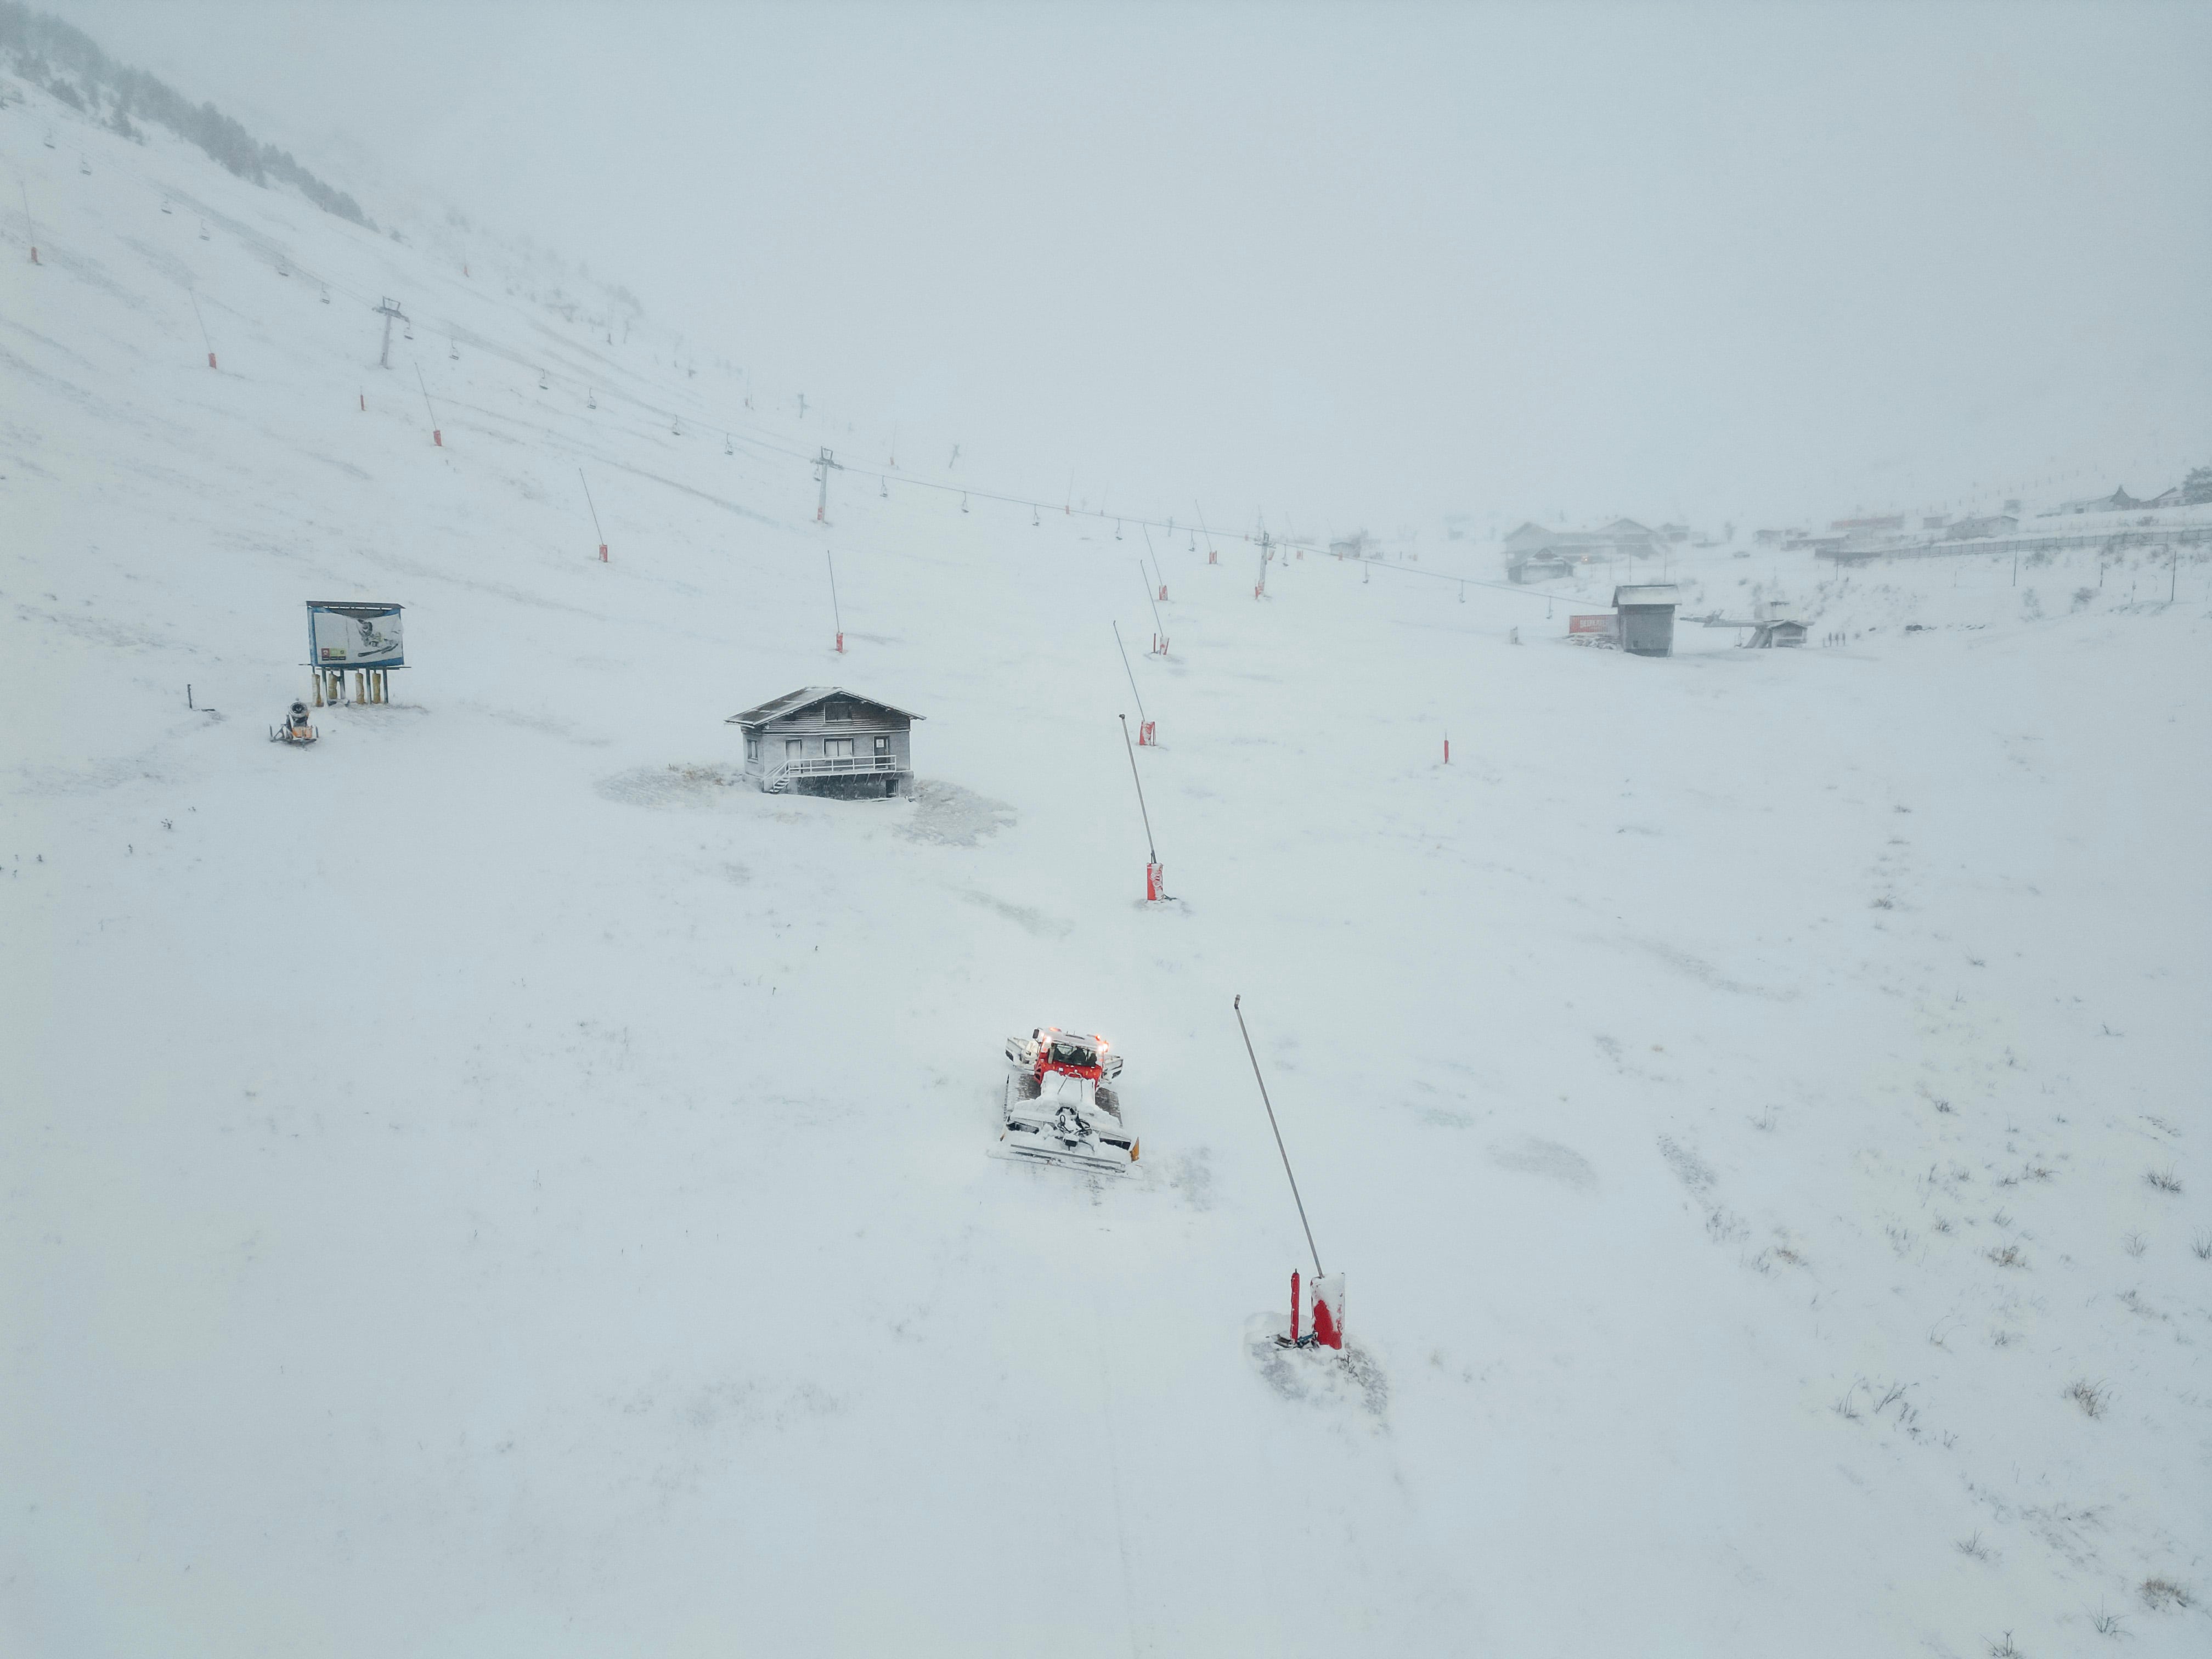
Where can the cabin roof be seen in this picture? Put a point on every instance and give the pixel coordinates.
(1646, 593)
(793, 702)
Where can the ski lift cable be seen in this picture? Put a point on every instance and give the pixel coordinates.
(754, 439)
(761, 442)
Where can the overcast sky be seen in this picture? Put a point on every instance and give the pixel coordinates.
(1355, 264)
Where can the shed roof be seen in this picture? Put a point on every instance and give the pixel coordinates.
(1647, 593)
(791, 703)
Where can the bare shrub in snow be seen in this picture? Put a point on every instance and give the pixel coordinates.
(2031, 607)
(2167, 1180)
(2083, 597)
(2107, 1624)
(1972, 1546)
(2091, 1397)
(2003, 1649)
(2133, 1244)
(2159, 1593)
(2202, 1245)
(2009, 1257)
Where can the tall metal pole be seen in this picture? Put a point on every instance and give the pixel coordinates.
(589, 502)
(1239, 1005)
(1133, 692)
(1154, 603)
(835, 615)
(1152, 851)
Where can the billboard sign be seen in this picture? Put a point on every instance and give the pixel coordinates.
(1605, 623)
(349, 635)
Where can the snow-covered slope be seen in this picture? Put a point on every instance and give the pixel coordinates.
(487, 1186)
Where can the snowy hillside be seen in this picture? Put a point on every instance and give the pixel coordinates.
(486, 1185)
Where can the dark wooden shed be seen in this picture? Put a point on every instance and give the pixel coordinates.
(1647, 618)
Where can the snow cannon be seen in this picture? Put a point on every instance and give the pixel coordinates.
(295, 729)
(1327, 1293)
(1061, 1103)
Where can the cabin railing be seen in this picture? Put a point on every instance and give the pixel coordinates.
(817, 766)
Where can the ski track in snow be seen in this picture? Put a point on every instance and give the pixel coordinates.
(490, 1184)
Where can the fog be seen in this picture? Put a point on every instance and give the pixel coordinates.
(1346, 265)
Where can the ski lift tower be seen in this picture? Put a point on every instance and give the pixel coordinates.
(389, 310)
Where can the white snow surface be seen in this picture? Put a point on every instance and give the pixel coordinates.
(492, 1185)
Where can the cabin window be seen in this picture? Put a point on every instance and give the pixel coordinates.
(882, 745)
(837, 745)
(752, 747)
(793, 748)
(838, 708)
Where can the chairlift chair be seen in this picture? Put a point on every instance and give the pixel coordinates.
(166, 208)
(541, 386)
(964, 500)
(728, 448)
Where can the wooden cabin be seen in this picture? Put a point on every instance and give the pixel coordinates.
(825, 740)
(1647, 618)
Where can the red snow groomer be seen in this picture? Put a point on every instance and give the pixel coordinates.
(1062, 1106)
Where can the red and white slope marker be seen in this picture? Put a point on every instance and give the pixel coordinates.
(1327, 1292)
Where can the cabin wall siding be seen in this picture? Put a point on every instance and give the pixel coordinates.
(812, 729)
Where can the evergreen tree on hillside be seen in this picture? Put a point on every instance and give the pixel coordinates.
(2197, 488)
(51, 54)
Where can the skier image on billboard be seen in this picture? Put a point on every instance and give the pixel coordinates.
(355, 637)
